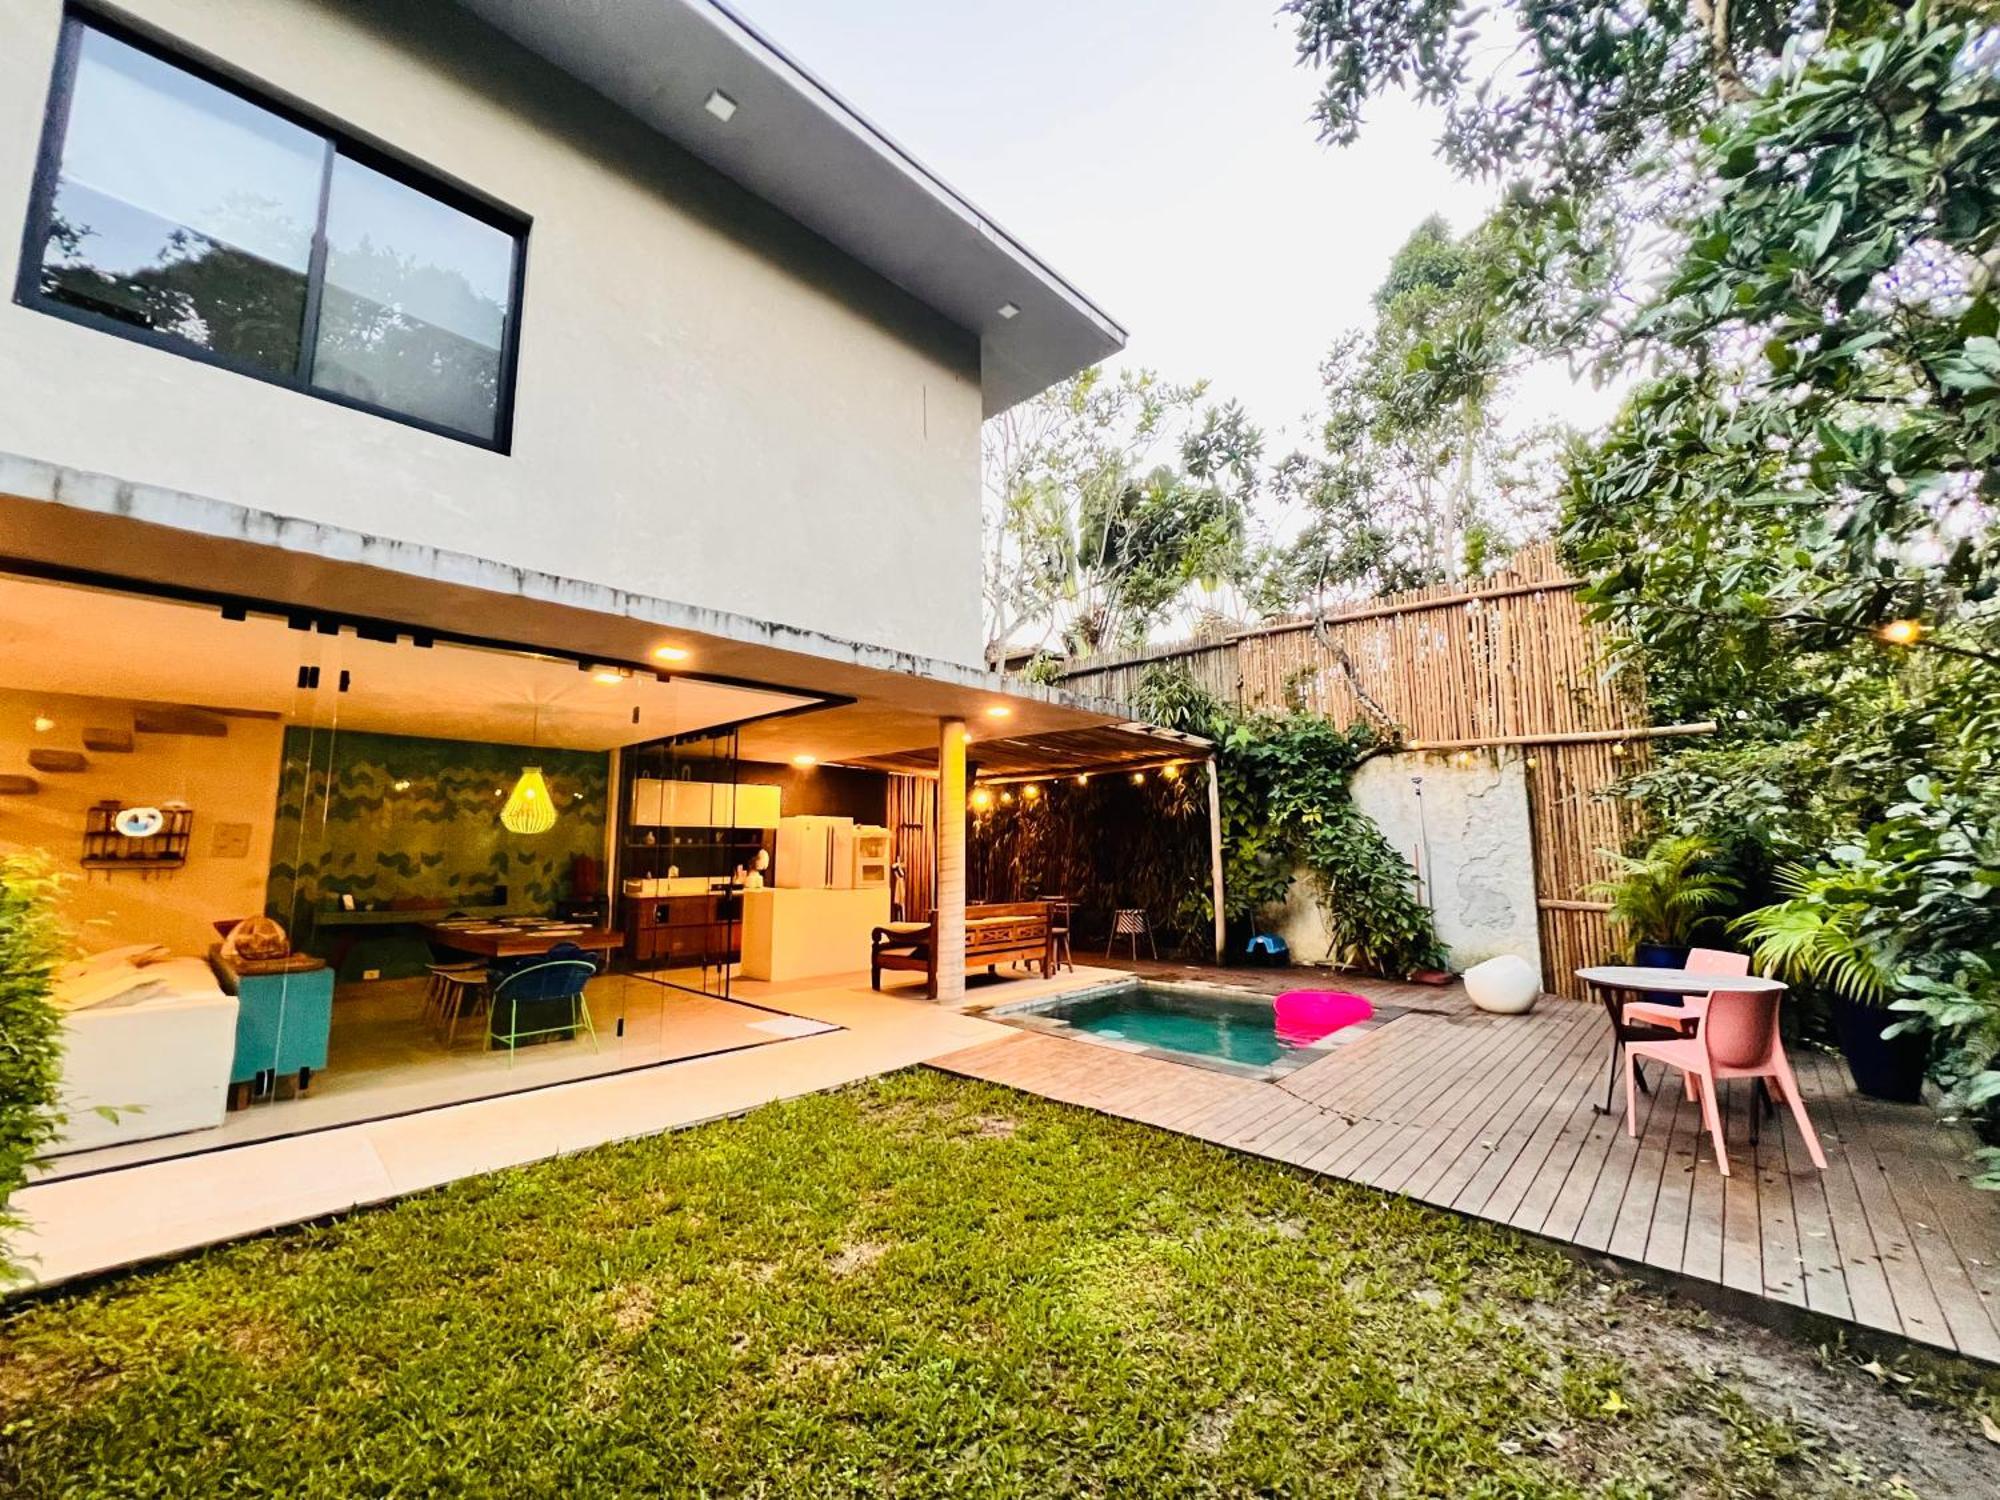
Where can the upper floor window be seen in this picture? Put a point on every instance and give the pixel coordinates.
(173, 208)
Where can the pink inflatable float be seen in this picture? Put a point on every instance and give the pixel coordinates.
(1304, 1016)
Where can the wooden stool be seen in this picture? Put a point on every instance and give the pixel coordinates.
(1059, 954)
(1129, 922)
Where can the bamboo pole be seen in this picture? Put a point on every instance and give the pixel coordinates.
(1577, 737)
(1215, 854)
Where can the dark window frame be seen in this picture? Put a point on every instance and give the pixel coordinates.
(339, 142)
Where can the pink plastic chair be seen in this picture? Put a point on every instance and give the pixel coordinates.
(1736, 1036)
(1718, 961)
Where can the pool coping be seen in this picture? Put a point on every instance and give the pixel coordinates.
(1029, 1015)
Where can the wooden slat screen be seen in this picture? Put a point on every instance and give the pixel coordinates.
(1508, 657)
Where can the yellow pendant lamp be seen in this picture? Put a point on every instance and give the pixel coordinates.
(530, 808)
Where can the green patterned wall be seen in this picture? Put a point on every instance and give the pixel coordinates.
(386, 817)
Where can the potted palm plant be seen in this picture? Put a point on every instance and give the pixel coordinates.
(1813, 937)
(1663, 898)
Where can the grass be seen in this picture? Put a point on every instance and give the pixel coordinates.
(921, 1286)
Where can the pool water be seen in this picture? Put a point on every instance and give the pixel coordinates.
(1204, 1023)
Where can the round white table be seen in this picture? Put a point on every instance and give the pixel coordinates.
(1674, 981)
(1608, 977)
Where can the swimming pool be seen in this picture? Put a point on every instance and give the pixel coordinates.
(1228, 1029)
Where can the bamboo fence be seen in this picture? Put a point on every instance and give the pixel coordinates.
(1505, 665)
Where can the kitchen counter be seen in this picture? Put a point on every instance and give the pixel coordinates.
(809, 934)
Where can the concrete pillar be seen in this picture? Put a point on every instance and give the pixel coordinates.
(951, 860)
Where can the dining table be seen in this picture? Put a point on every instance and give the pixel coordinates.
(520, 939)
(1614, 983)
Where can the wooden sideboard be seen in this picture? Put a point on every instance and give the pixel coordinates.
(683, 931)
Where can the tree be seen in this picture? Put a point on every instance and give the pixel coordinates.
(1112, 503)
(1792, 525)
(1415, 481)
(1587, 109)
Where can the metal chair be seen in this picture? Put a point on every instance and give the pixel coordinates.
(554, 982)
(1130, 922)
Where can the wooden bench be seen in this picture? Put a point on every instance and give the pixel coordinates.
(995, 933)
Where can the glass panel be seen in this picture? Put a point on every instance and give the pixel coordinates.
(414, 314)
(183, 209)
(683, 861)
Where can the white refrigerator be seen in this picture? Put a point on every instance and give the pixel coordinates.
(815, 853)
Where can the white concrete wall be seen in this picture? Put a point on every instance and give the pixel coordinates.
(1481, 874)
(713, 406)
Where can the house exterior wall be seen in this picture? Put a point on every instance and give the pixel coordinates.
(712, 405)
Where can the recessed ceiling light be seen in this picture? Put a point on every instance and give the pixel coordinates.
(999, 711)
(805, 762)
(1010, 310)
(671, 653)
(720, 105)
(608, 676)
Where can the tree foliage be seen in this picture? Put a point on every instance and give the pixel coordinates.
(1792, 525)
(1415, 480)
(1112, 502)
(1285, 806)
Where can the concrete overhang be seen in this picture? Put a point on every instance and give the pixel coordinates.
(797, 144)
(82, 527)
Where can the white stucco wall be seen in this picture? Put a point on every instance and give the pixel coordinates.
(713, 406)
(1481, 875)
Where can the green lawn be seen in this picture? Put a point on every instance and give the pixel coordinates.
(925, 1286)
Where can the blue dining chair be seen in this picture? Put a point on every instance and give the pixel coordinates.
(551, 989)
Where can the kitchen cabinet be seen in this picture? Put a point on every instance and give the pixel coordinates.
(682, 932)
(702, 804)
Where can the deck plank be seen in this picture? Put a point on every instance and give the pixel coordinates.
(1523, 1097)
(1519, 1154)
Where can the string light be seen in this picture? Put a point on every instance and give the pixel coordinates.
(1138, 778)
(982, 799)
(1006, 799)
(1901, 632)
(1171, 771)
(1031, 791)
(1083, 779)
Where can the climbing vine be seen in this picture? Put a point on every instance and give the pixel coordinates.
(1285, 806)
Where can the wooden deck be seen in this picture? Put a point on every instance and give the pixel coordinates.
(1492, 1117)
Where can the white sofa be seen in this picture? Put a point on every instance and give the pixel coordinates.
(160, 1062)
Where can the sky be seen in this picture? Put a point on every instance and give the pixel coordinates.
(1161, 156)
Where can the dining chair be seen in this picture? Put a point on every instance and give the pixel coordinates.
(1718, 961)
(461, 992)
(553, 984)
(1735, 1036)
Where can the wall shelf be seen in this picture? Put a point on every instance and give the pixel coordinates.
(105, 848)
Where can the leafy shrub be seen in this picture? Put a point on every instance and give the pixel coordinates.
(1670, 893)
(1285, 803)
(32, 943)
